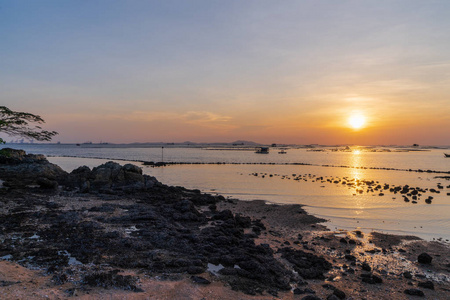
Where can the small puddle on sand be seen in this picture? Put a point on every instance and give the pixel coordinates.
(72, 260)
(214, 269)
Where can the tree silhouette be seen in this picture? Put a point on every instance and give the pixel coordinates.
(15, 123)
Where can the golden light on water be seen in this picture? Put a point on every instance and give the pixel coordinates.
(357, 121)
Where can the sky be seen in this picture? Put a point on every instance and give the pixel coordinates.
(294, 72)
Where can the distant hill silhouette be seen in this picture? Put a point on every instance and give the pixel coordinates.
(241, 142)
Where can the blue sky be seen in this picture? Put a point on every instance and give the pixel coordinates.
(287, 72)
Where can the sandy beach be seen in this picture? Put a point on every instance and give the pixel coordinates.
(284, 225)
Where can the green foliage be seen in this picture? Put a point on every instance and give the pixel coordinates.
(5, 152)
(23, 124)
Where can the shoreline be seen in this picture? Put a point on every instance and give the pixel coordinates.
(367, 218)
(152, 233)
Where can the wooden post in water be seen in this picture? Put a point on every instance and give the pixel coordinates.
(162, 154)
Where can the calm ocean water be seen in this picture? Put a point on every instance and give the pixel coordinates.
(333, 187)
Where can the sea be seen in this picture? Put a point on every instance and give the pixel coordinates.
(352, 188)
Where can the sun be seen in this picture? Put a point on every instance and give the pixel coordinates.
(357, 121)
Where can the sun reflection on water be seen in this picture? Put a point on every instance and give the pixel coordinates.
(356, 163)
(356, 175)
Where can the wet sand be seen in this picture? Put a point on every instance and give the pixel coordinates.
(388, 256)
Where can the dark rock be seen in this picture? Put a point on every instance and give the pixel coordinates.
(224, 215)
(59, 279)
(407, 275)
(350, 257)
(19, 170)
(414, 292)
(328, 286)
(228, 271)
(110, 178)
(311, 297)
(424, 258)
(195, 270)
(427, 284)
(340, 294)
(200, 280)
(243, 221)
(371, 278)
(307, 265)
(366, 267)
(112, 280)
(4, 283)
(46, 183)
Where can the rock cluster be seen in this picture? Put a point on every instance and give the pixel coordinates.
(18, 170)
(129, 220)
(110, 178)
(408, 193)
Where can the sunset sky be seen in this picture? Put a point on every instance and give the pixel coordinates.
(220, 71)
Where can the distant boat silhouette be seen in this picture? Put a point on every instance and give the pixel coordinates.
(282, 151)
(262, 150)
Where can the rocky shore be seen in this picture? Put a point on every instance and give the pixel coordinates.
(112, 232)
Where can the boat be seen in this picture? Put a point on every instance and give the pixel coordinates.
(262, 150)
(446, 155)
(282, 151)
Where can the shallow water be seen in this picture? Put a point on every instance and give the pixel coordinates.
(334, 202)
(341, 204)
(429, 159)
